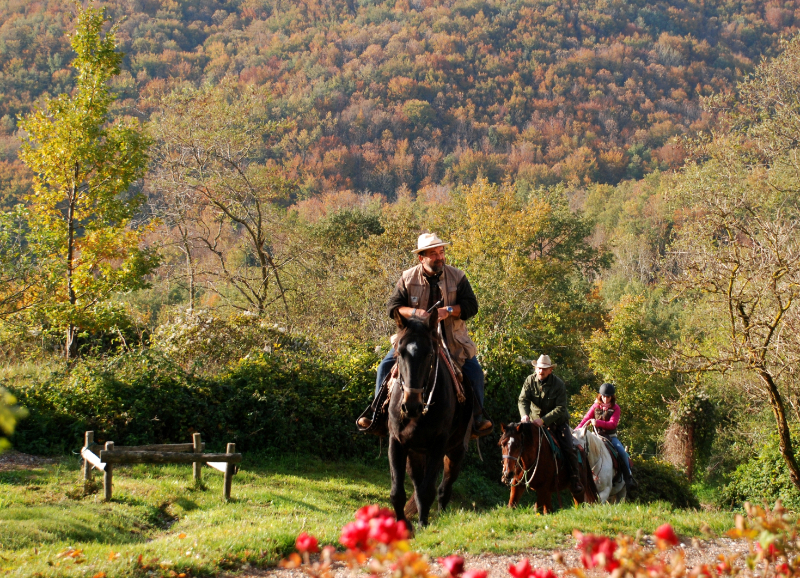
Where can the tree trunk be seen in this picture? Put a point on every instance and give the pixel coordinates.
(690, 452)
(71, 349)
(189, 271)
(778, 410)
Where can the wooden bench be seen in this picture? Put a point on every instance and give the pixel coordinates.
(159, 454)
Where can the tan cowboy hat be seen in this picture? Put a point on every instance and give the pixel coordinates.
(544, 362)
(428, 241)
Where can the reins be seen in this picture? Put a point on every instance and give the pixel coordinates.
(518, 459)
(435, 380)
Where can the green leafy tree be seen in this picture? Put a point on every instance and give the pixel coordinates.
(736, 256)
(9, 415)
(84, 165)
(620, 352)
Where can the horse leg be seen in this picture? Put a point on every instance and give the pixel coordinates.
(426, 487)
(397, 463)
(416, 471)
(452, 468)
(544, 500)
(516, 495)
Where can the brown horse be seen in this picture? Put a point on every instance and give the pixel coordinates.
(529, 462)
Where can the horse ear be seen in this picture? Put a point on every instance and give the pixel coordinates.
(503, 427)
(399, 319)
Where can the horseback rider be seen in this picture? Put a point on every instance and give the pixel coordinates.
(604, 416)
(543, 402)
(417, 290)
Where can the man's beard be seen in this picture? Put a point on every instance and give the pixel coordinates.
(437, 266)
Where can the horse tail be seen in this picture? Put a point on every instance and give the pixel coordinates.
(411, 506)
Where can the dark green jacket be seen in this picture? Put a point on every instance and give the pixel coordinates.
(547, 399)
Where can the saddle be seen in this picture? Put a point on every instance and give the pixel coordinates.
(613, 451)
(378, 409)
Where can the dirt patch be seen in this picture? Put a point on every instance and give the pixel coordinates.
(697, 553)
(14, 460)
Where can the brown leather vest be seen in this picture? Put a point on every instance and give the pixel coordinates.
(604, 415)
(419, 291)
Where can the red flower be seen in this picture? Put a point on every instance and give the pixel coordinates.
(453, 564)
(522, 569)
(474, 574)
(772, 550)
(783, 569)
(597, 551)
(355, 534)
(387, 530)
(666, 534)
(367, 513)
(543, 573)
(306, 543)
(724, 567)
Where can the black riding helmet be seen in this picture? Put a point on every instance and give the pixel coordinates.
(607, 389)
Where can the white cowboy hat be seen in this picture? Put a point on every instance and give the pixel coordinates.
(428, 241)
(544, 362)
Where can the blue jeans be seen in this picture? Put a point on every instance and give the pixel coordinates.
(626, 460)
(472, 370)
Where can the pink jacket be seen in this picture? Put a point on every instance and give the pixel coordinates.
(611, 424)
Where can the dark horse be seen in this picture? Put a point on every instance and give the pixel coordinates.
(529, 462)
(428, 426)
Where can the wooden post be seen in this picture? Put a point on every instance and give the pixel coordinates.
(107, 476)
(87, 467)
(226, 484)
(198, 449)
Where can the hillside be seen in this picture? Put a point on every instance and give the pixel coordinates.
(389, 93)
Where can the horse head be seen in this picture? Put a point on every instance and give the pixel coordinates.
(416, 353)
(511, 444)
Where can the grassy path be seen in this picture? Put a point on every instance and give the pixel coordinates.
(159, 524)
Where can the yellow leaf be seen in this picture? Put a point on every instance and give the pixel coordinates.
(181, 536)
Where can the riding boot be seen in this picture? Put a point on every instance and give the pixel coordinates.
(630, 483)
(567, 445)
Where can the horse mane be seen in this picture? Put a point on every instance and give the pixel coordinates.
(594, 446)
(524, 429)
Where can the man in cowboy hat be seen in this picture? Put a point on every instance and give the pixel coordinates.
(416, 291)
(543, 402)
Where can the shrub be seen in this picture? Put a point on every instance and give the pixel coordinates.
(278, 402)
(660, 481)
(764, 477)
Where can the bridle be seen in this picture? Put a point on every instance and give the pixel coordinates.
(518, 461)
(421, 390)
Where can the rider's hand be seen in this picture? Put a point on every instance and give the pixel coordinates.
(538, 422)
(443, 313)
(592, 421)
(525, 419)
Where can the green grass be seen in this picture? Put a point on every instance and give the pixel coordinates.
(159, 515)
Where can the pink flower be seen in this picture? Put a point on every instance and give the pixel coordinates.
(665, 533)
(306, 543)
(453, 564)
(367, 513)
(474, 574)
(597, 551)
(355, 534)
(521, 569)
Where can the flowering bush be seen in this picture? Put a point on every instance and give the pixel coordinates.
(377, 543)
